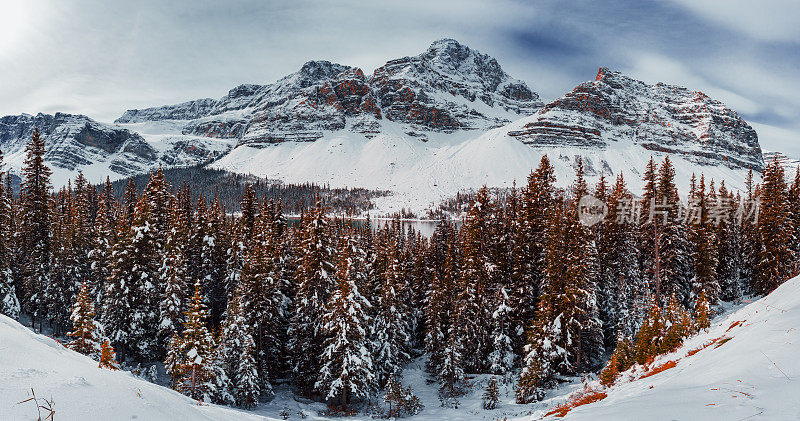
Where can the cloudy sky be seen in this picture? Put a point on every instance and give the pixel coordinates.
(102, 57)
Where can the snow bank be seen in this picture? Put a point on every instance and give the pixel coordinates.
(80, 390)
(753, 375)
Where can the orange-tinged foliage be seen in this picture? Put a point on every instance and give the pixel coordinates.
(663, 367)
(583, 398)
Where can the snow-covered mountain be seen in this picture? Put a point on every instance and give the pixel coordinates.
(659, 117)
(449, 87)
(428, 126)
(76, 143)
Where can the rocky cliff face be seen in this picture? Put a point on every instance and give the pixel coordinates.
(658, 117)
(78, 143)
(448, 87)
(74, 141)
(184, 111)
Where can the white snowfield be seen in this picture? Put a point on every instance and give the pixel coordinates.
(753, 376)
(422, 174)
(80, 390)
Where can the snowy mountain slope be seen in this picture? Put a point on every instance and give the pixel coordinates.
(753, 375)
(81, 390)
(789, 164)
(423, 173)
(614, 122)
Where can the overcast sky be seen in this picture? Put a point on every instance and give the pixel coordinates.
(100, 58)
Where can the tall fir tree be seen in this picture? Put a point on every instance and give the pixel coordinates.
(315, 271)
(347, 371)
(775, 258)
(9, 302)
(35, 227)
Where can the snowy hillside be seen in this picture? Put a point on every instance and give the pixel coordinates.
(746, 368)
(423, 173)
(80, 390)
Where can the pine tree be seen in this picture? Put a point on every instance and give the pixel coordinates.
(117, 304)
(261, 292)
(391, 337)
(702, 313)
(502, 357)
(704, 242)
(35, 226)
(248, 382)
(86, 332)
(451, 377)
(491, 396)
(439, 309)
(195, 350)
(527, 273)
(476, 286)
(647, 342)
(108, 356)
(677, 325)
(775, 259)
(314, 283)
(620, 284)
(730, 239)
(103, 242)
(542, 358)
(347, 372)
(400, 400)
(9, 302)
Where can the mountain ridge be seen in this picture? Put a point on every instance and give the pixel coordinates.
(430, 120)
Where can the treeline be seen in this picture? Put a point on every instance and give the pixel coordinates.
(523, 290)
(227, 188)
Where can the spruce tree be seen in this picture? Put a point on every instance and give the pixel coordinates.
(775, 258)
(391, 337)
(195, 352)
(502, 358)
(527, 273)
(9, 302)
(347, 372)
(704, 243)
(476, 286)
(86, 333)
(35, 227)
(315, 271)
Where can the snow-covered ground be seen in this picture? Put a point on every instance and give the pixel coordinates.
(755, 374)
(82, 391)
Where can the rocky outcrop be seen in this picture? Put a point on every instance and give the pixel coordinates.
(658, 117)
